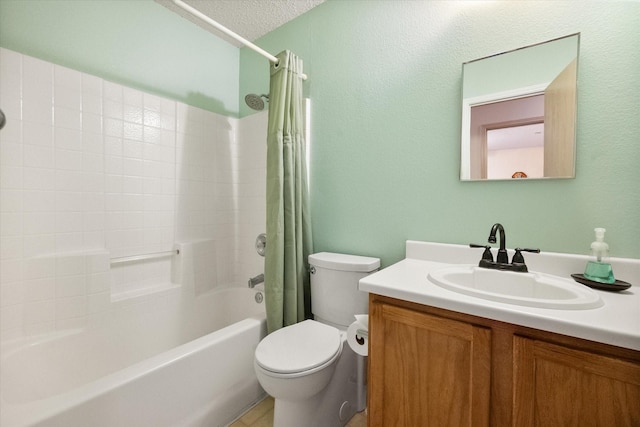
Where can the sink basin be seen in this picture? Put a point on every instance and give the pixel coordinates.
(529, 289)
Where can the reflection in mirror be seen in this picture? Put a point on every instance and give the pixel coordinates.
(519, 112)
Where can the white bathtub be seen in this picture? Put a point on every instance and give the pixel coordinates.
(188, 364)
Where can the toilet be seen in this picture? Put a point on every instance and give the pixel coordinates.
(315, 378)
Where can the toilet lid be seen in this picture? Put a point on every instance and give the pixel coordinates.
(298, 347)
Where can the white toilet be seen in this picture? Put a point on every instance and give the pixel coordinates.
(316, 379)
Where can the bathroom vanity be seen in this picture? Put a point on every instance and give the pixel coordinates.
(439, 357)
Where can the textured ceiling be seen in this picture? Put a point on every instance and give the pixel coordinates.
(250, 19)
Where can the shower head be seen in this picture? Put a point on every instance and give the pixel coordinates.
(256, 102)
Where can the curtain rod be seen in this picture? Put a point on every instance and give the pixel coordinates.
(228, 32)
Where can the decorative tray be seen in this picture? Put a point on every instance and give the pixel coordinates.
(618, 285)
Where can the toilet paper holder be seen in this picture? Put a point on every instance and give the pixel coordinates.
(361, 334)
(358, 335)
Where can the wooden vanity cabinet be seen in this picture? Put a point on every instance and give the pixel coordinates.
(426, 370)
(434, 367)
(559, 386)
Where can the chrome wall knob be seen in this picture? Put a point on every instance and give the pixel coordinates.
(261, 244)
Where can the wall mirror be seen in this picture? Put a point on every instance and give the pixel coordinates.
(519, 113)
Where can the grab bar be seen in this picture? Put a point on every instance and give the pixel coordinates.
(256, 280)
(133, 258)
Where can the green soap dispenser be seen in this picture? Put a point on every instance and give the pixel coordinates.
(599, 270)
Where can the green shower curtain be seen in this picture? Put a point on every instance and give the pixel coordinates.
(288, 221)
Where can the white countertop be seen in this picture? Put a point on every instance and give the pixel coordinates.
(617, 322)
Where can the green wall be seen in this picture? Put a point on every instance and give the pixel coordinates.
(138, 43)
(385, 86)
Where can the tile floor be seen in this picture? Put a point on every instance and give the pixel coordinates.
(261, 415)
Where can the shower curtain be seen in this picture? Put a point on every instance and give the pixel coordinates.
(288, 221)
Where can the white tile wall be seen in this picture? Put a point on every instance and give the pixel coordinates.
(139, 173)
(252, 174)
(92, 170)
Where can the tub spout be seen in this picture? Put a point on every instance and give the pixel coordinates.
(256, 280)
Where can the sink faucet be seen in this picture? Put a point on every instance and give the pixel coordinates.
(502, 257)
(502, 260)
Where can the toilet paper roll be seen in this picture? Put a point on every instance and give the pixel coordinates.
(358, 335)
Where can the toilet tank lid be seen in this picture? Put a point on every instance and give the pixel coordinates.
(344, 262)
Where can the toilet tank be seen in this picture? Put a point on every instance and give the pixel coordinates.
(335, 297)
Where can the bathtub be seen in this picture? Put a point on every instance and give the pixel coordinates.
(189, 363)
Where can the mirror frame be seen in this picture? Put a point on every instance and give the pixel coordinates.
(506, 95)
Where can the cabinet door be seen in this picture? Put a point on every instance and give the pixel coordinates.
(426, 370)
(557, 386)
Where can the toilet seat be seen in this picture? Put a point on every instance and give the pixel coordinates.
(298, 348)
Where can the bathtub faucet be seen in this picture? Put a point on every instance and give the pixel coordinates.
(256, 280)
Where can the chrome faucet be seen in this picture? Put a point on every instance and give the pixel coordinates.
(502, 259)
(256, 280)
